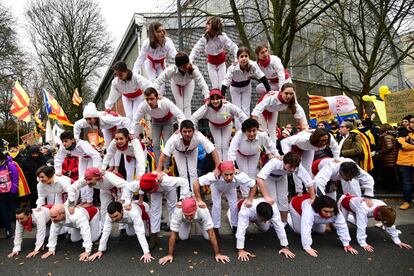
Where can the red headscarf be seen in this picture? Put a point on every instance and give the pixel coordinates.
(189, 205)
(148, 182)
(93, 172)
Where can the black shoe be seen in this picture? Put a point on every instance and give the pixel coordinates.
(67, 238)
(234, 229)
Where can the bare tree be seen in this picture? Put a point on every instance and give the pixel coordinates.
(364, 35)
(278, 21)
(71, 43)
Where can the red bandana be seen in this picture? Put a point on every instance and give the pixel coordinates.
(280, 98)
(376, 217)
(124, 147)
(264, 62)
(28, 226)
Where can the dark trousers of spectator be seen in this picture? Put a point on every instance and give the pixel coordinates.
(8, 205)
(406, 177)
(390, 179)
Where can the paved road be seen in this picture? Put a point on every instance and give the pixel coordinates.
(195, 256)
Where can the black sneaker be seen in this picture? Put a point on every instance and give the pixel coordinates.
(9, 234)
(234, 229)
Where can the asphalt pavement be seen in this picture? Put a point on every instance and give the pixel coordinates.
(195, 256)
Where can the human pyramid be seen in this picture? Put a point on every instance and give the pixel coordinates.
(66, 207)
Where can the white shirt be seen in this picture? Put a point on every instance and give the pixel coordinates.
(172, 72)
(82, 149)
(330, 171)
(247, 147)
(214, 46)
(158, 53)
(168, 184)
(363, 213)
(39, 219)
(301, 140)
(227, 110)
(120, 87)
(247, 215)
(109, 181)
(275, 69)
(134, 149)
(131, 217)
(275, 168)
(175, 143)
(234, 73)
(309, 218)
(106, 121)
(271, 103)
(60, 185)
(164, 106)
(79, 220)
(202, 216)
(240, 179)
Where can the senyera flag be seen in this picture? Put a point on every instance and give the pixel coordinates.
(76, 99)
(20, 103)
(328, 108)
(54, 110)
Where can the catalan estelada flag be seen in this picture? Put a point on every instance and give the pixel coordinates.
(20, 103)
(54, 110)
(23, 187)
(326, 109)
(38, 121)
(76, 99)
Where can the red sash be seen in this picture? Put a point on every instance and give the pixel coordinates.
(346, 201)
(220, 125)
(315, 165)
(155, 61)
(218, 59)
(163, 119)
(180, 89)
(133, 95)
(240, 204)
(129, 158)
(267, 115)
(49, 206)
(297, 202)
(92, 210)
(144, 215)
(276, 79)
(376, 217)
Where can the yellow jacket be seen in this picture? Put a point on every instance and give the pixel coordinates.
(406, 152)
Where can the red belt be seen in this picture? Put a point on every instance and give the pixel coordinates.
(315, 165)
(163, 119)
(133, 94)
(276, 79)
(92, 210)
(180, 89)
(267, 115)
(155, 61)
(245, 155)
(218, 59)
(346, 201)
(144, 215)
(297, 202)
(220, 125)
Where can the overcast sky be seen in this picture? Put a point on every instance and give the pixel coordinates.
(117, 14)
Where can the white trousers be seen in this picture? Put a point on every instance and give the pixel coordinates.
(307, 160)
(153, 74)
(156, 208)
(241, 97)
(295, 222)
(131, 105)
(86, 192)
(269, 126)
(222, 137)
(187, 165)
(183, 96)
(277, 187)
(248, 165)
(164, 129)
(132, 167)
(105, 197)
(217, 73)
(95, 226)
(231, 195)
(185, 229)
(262, 90)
